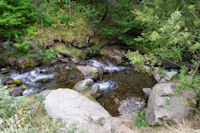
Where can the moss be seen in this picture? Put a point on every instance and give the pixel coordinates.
(17, 81)
(12, 85)
(67, 50)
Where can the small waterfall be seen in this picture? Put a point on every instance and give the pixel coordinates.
(109, 67)
(30, 78)
(108, 85)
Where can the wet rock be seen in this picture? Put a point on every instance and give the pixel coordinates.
(116, 100)
(44, 81)
(88, 71)
(73, 108)
(4, 70)
(24, 87)
(17, 81)
(8, 81)
(75, 59)
(147, 91)
(15, 91)
(30, 92)
(11, 82)
(108, 85)
(95, 90)
(131, 106)
(68, 68)
(164, 105)
(84, 84)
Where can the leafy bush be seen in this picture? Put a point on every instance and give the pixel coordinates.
(15, 17)
(24, 114)
(141, 120)
(122, 25)
(24, 46)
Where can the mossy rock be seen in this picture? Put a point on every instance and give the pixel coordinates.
(17, 81)
(12, 85)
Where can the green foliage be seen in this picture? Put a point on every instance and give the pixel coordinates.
(95, 49)
(7, 44)
(141, 120)
(24, 114)
(15, 17)
(24, 46)
(186, 83)
(87, 88)
(49, 53)
(170, 34)
(123, 26)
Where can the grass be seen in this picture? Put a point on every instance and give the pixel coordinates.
(25, 114)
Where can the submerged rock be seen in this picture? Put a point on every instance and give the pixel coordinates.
(131, 106)
(164, 105)
(73, 108)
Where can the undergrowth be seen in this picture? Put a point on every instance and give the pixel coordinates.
(25, 114)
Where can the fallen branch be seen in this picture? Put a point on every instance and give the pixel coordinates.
(62, 59)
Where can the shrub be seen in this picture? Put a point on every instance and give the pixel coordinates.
(24, 114)
(15, 15)
(141, 120)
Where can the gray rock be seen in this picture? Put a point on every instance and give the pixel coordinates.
(73, 108)
(147, 91)
(15, 91)
(95, 90)
(121, 124)
(131, 106)
(4, 70)
(88, 71)
(84, 84)
(8, 81)
(162, 105)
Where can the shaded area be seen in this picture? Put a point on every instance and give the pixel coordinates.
(130, 84)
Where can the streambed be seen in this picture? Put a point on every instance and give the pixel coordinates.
(117, 82)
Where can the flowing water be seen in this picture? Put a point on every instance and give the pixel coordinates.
(119, 82)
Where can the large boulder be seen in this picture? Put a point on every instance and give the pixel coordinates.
(73, 108)
(165, 105)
